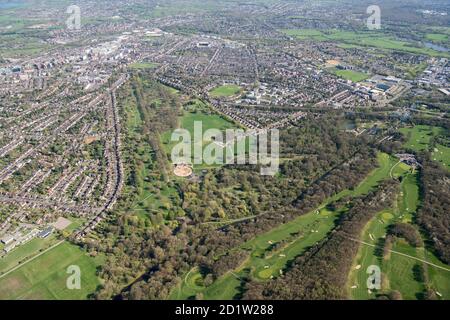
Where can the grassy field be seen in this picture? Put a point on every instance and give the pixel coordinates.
(225, 91)
(24, 252)
(419, 136)
(45, 277)
(293, 238)
(305, 34)
(437, 37)
(409, 197)
(354, 76)
(442, 154)
(143, 65)
(400, 272)
(361, 39)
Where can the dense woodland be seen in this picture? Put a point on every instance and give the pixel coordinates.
(433, 215)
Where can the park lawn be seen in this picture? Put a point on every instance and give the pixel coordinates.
(224, 288)
(351, 75)
(420, 136)
(227, 90)
(229, 285)
(76, 223)
(386, 163)
(208, 121)
(419, 140)
(45, 277)
(311, 229)
(148, 201)
(149, 198)
(377, 227)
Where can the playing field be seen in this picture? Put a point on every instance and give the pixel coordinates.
(143, 65)
(45, 277)
(225, 91)
(24, 252)
(351, 75)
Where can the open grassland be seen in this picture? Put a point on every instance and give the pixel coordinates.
(350, 39)
(270, 253)
(225, 91)
(45, 277)
(294, 238)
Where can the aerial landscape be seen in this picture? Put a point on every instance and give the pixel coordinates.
(224, 150)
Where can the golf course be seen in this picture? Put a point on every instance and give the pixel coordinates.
(292, 239)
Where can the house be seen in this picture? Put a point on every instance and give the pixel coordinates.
(46, 232)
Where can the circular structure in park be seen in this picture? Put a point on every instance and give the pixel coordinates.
(182, 170)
